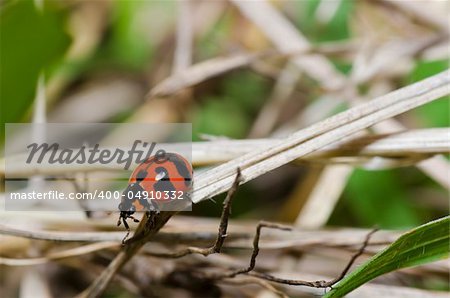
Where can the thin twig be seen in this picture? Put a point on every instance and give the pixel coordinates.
(222, 233)
(255, 251)
(221, 237)
(315, 284)
(150, 224)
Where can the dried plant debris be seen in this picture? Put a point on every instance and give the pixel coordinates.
(313, 122)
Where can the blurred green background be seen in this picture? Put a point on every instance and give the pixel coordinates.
(135, 40)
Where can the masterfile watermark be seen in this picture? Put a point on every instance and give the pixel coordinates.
(97, 166)
(93, 155)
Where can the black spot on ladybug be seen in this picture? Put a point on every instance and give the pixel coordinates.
(181, 168)
(141, 175)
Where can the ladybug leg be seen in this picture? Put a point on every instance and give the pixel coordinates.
(154, 207)
(123, 215)
(149, 206)
(126, 227)
(125, 223)
(132, 211)
(157, 210)
(133, 218)
(120, 219)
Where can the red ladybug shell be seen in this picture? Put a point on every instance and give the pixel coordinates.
(179, 176)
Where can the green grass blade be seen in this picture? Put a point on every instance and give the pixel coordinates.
(424, 244)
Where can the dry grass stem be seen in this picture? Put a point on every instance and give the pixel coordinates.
(422, 142)
(73, 252)
(321, 134)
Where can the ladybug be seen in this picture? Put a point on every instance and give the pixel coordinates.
(159, 180)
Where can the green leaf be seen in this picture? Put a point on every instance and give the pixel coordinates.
(424, 244)
(31, 41)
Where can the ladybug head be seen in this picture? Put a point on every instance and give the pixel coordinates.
(141, 175)
(161, 173)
